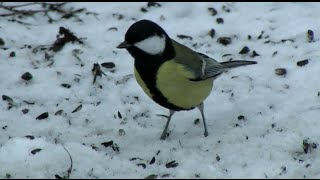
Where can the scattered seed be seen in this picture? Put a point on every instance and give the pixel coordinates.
(26, 76)
(29, 103)
(43, 116)
(94, 147)
(212, 32)
(58, 177)
(119, 115)
(302, 63)
(220, 20)
(260, 36)
(115, 147)
(124, 79)
(225, 8)
(212, 11)
(12, 54)
(121, 132)
(310, 35)
(165, 175)
(153, 4)
(77, 109)
(314, 146)
(172, 164)
(113, 29)
(29, 137)
(142, 164)
(218, 158)
(66, 85)
(2, 43)
(241, 118)
(307, 146)
(153, 160)
(226, 55)
(59, 112)
(108, 65)
(285, 40)
(35, 151)
(284, 170)
(196, 121)
(249, 37)
(286, 86)
(152, 176)
(4, 127)
(25, 111)
(280, 71)
(224, 40)
(96, 70)
(143, 9)
(118, 16)
(308, 165)
(254, 54)
(276, 52)
(244, 50)
(181, 36)
(136, 158)
(107, 144)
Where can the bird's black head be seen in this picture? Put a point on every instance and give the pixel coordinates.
(147, 38)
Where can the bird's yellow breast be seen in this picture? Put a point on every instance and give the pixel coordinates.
(173, 81)
(142, 83)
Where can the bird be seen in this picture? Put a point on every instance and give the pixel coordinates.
(171, 74)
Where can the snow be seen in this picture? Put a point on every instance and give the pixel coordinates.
(279, 111)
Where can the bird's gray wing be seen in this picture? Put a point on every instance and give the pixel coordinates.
(210, 67)
(201, 66)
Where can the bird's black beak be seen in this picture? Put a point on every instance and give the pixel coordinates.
(124, 44)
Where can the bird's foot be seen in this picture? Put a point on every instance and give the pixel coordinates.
(162, 115)
(206, 133)
(164, 136)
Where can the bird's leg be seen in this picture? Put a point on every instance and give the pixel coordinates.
(201, 107)
(164, 133)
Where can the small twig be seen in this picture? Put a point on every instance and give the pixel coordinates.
(21, 5)
(52, 7)
(70, 169)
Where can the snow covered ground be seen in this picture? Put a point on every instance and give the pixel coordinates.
(261, 125)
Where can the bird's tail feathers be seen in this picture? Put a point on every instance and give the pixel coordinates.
(237, 63)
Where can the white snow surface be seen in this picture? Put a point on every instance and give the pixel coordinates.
(279, 111)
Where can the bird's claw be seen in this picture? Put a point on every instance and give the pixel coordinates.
(164, 136)
(162, 115)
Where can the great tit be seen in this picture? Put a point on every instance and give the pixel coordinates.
(171, 74)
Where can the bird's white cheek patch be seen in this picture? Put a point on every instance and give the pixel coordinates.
(153, 45)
